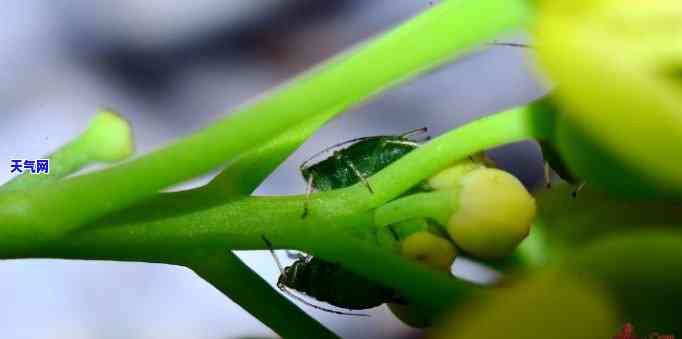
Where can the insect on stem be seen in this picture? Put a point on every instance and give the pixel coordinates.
(355, 163)
(360, 176)
(285, 290)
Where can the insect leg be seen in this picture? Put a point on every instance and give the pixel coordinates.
(359, 175)
(402, 142)
(548, 179)
(308, 191)
(414, 132)
(578, 189)
(305, 163)
(274, 256)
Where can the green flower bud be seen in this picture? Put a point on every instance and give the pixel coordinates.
(448, 178)
(494, 213)
(429, 249)
(110, 136)
(432, 250)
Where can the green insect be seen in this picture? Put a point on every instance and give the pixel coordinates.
(329, 282)
(363, 158)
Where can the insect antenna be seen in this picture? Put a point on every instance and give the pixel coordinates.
(312, 157)
(360, 176)
(404, 135)
(272, 252)
(548, 176)
(578, 189)
(413, 132)
(286, 290)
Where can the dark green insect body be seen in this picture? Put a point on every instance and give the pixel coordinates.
(357, 162)
(330, 283)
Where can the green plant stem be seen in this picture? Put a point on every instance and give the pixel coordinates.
(67, 160)
(158, 229)
(86, 149)
(224, 270)
(347, 239)
(522, 123)
(437, 35)
(233, 278)
(161, 227)
(238, 225)
(242, 176)
(437, 205)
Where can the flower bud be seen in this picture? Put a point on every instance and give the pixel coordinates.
(449, 177)
(493, 215)
(429, 249)
(433, 251)
(111, 137)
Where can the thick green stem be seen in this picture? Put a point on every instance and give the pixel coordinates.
(349, 239)
(147, 232)
(518, 124)
(437, 205)
(439, 34)
(232, 277)
(186, 221)
(224, 270)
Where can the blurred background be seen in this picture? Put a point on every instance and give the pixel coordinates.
(171, 67)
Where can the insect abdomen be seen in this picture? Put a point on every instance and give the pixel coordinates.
(368, 157)
(330, 283)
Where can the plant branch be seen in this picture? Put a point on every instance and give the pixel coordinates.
(442, 32)
(522, 123)
(151, 233)
(228, 274)
(108, 138)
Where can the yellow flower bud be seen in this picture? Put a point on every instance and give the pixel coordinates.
(429, 249)
(493, 215)
(449, 177)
